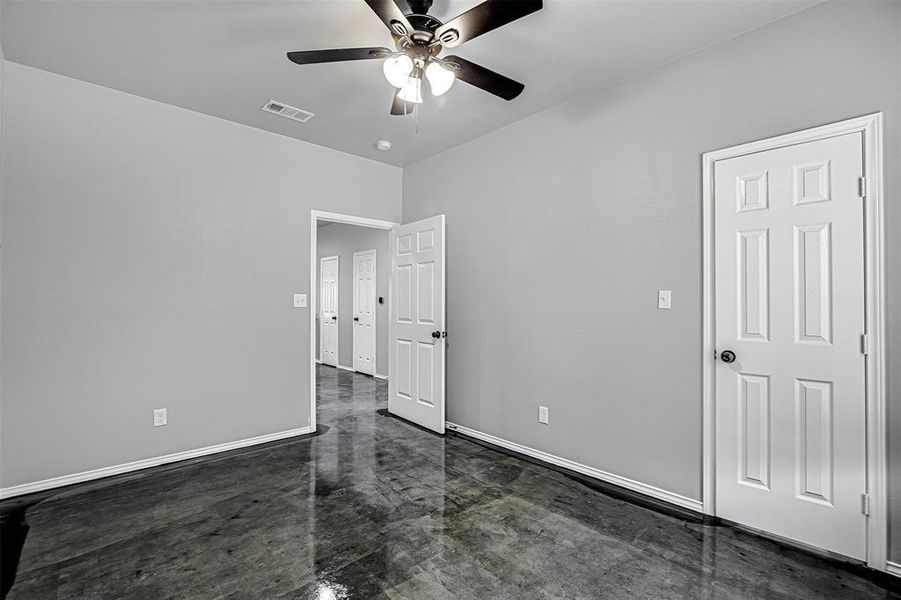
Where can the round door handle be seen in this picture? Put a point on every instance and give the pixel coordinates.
(436, 334)
(356, 318)
(727, 356)
(334, 318)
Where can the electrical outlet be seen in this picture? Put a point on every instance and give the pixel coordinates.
(300, 300)
(542, 414)
(159, 417)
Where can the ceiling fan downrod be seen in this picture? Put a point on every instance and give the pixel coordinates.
(420, 7)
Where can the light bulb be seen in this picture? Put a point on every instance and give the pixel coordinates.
(397, 69)
(440, 78)
(411, 91)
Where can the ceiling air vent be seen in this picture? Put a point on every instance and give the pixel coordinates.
(289, 112)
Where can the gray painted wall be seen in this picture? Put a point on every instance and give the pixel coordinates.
(339, 239)
(150, 255)
(599, 200)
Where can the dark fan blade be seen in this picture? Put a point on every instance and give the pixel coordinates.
(400, 107)
(486, 79)
(309, 57)
(483, 18)
(391, 16)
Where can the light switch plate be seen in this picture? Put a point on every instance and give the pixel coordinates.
(542, 414)
(664, 299)
(159, 417)
(300, 300)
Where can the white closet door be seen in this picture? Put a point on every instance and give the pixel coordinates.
(790, 406)
(328, 310)
(364, 311)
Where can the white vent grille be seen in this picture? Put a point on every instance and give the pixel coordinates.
(289, 112)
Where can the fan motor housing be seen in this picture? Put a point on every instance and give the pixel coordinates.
(425, 26)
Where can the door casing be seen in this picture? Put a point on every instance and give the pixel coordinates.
(874, 255)
(315, 217)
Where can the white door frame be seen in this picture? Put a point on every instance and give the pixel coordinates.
(318, 290)
(315, 217)
(870, 126)
(375, 351)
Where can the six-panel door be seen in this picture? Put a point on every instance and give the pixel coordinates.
(328, 310)
(416, 326)
(364, 311)
(790, 410)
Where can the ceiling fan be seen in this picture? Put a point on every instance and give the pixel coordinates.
(419, 39)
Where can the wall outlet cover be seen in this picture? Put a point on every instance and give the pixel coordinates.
(542, 414)
(159, 417)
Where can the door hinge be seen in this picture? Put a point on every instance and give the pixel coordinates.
(864, 344)
(865, 504)
(862, 187)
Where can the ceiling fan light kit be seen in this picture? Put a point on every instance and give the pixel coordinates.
(419, 38)
(397, 69)
(411, 91)
(440, 78)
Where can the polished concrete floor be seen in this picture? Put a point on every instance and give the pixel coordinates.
(373, 507)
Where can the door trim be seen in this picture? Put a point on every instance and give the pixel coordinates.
(353, 342)
(870, 126)
(318, 285)
(315, 217)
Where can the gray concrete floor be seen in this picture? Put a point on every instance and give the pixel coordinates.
(373, 507)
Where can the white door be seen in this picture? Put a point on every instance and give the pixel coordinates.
(416, 327)
(790, 407)
(328, 310)
(364, 312)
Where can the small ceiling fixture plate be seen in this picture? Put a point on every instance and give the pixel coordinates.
(383, 145)
(289, 112)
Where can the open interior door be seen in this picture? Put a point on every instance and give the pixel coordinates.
(416, 327)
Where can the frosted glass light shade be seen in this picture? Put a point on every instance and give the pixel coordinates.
(411, 90)
(397, 69)
(440, 78)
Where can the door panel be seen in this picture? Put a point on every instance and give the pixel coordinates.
(328, 310)
(754, 430)
(790, 410)
(364, 311)
(416, 362)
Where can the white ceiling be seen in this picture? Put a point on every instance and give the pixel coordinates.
(227, 58)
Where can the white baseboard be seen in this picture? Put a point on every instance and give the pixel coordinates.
(377, 376)
(55, 482)
(893, 568)
(629, 484)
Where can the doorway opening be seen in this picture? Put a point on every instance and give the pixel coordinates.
(350, 296)
(410, 292)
